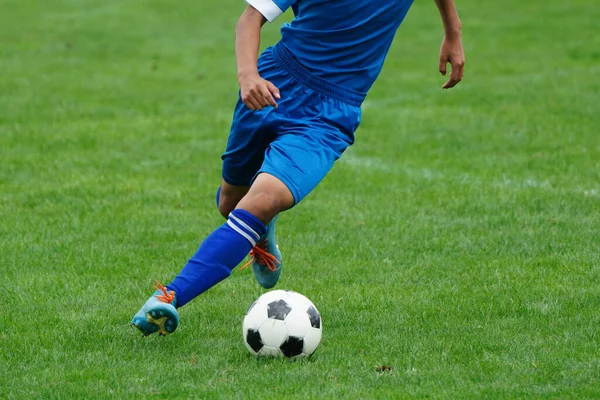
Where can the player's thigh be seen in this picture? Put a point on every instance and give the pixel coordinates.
(301, 158)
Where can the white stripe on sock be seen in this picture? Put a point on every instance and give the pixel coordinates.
(244, 225)
(241, 232)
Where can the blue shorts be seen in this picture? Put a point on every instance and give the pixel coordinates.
(299, 141)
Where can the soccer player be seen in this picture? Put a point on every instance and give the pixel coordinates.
(298, 109)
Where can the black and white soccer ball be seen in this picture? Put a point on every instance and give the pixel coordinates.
(282, 323)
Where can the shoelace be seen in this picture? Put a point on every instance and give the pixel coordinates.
(260, 254)
(166, 296)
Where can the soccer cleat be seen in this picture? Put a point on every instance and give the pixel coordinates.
(266, 259)
(158, 314)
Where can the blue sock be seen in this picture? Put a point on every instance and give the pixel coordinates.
(217, 256)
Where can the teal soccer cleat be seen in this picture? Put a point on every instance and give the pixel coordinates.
(158, 314)
(266, 259)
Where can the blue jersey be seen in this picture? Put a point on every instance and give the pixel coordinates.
(341, 41)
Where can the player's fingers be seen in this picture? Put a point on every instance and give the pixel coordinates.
(461, 72)
(268, 98)
(451, 83)
(258, 104)
(457, 80)
(274, 90)
(442, 66)
(256, 95)
(460, 68)
(455, 76)
(246, 102)
(249, 101)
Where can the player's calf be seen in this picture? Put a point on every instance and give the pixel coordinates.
(228, 197)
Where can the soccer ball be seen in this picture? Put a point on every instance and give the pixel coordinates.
(282, 323)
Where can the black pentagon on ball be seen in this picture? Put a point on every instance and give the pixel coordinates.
(292, 347)
(278, 309)
(315, 318)
(254, 341)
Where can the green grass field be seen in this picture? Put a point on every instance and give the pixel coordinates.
(458, 241)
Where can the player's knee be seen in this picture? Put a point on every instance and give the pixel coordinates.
(263, 205)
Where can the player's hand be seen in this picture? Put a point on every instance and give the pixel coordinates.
(452, 52)
(258, 93)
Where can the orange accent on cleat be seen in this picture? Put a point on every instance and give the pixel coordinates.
(260, 254)
(166, 296)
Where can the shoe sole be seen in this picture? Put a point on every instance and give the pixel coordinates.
(157, 321)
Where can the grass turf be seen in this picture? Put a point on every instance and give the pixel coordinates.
(457, 242)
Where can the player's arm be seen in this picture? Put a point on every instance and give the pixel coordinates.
(256, 92)
(452, 49)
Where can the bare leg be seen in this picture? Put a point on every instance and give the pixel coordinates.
(267, 197)
(230, 197)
